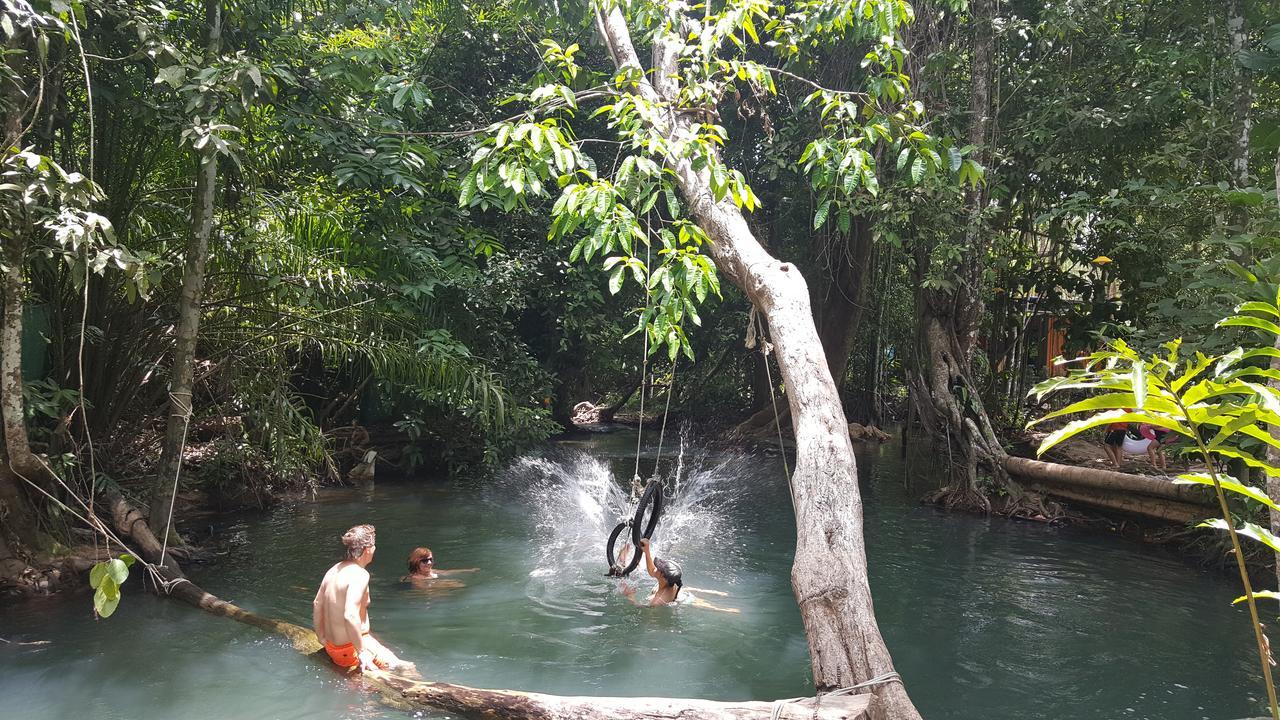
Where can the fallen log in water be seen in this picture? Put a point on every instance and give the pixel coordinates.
(1156, 497)
(513, 705)
(478, 702)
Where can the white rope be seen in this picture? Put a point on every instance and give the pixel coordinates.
(644, 364)
(177, 473)
(766, 347)
(877, 680)
(665, 412)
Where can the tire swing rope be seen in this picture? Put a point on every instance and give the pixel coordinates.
(652, 493)
(755, 328)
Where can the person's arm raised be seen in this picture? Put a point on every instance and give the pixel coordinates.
(648, 558)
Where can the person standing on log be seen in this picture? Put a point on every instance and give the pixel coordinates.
(340, 612)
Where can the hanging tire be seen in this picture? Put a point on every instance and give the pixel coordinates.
(652, 497)
(610, 554)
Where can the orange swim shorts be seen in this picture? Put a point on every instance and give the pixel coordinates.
(344, 656)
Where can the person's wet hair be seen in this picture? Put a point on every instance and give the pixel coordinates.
(357, 540)
(670, 571)
(417, 556)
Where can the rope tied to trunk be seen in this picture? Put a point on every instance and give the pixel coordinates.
(877, 680)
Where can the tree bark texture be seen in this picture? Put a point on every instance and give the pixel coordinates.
(840, 296)
(829, 574)
(188, 329)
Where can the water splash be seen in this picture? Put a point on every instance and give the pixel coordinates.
(576, 498)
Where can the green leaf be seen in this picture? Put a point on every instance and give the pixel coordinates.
(118, 571)
(1139, 380)
(1249, 530)
(820, 217)
(1250, 322)
(615, 280)
(1264, 594)
(1114, 416)
(1248, 459)
(1110, 401)
(1230, 484)
(96, 575)
(1240, 271)
(104, 605)
(1255, 306)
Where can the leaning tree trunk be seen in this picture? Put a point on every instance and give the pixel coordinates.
(949, 403)
(829, 574)
(184, 352)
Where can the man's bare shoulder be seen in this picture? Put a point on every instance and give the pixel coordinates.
(345, 574)
(353, 574)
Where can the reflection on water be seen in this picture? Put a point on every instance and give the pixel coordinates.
(986, 618)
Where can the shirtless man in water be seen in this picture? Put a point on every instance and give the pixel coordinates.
(340, 612)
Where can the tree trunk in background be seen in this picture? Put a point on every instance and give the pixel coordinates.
(180, 383)
(829, 575)
(1242, 95)
(840, 295)
(949, 403)
(1273, 454)
(20, 464)
(15, 510)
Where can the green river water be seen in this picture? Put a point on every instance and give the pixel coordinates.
(986, 619)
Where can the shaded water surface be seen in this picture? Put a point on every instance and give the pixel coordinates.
(986, 618)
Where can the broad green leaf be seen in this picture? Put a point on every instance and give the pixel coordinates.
(1250, 322)
(1255, 306)
(1139, 380)
(118, 571)
(1114, 416)
(1228, 483)
(1248, 459)
(103, 605)
(96, 575)
(1239, 271)
(1261, 534)
(1264, 594)
(1110, 401)
(1232, 427)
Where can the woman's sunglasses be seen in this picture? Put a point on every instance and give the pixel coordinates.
(426, 560)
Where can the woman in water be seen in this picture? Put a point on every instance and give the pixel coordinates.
(422, 567)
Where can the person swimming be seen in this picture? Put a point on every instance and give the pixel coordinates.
(670, 577)
(422, 567)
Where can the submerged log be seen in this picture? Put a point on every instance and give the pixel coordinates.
(512, 704)
(478, 702)
(1156, 497)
